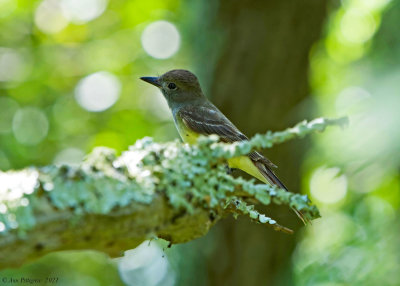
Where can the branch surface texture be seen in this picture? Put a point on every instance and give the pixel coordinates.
(169, 190)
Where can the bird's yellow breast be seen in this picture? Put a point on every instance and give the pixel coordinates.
(186, 134)
(242, 162)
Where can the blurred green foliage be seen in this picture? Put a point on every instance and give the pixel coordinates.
(65, 269)
(40, 68)
(354, 175)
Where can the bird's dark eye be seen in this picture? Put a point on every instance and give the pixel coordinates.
(172, 85)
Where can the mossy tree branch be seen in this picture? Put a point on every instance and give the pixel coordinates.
(109, 203)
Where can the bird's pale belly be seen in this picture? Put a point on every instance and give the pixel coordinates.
(243, 163)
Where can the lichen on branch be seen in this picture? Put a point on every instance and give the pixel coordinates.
(170, 190)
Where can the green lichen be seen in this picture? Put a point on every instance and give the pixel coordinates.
(269, 139)
(238, 206)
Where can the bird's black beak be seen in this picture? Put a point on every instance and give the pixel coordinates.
(152, 80)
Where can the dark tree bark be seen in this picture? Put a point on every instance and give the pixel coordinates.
(252, 56)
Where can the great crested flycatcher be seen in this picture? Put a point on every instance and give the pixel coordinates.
(195, 115)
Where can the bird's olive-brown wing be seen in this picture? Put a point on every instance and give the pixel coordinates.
(209, 120)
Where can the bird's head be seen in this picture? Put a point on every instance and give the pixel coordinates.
(177, 85)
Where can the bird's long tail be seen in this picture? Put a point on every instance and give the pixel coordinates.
(271, 178)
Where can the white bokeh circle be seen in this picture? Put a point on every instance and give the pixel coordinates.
(161, 39)
(80, 12)
(49, 17)
(98, 91)
(30, 125)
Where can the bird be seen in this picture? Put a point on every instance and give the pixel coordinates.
(195, 115)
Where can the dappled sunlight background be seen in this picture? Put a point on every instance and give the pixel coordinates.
(69, 74)
(353, 174)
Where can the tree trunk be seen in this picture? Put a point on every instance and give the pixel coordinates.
(253, 58)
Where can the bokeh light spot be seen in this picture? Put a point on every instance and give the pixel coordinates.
(49, 17)
(80, 12)
(30, 125)
(161, 39)
(7, 7)
(326, 186)
(8, 107)
(11, 65)
(71, 156)
(351, 100)
(357, 26)
(372, 4)
(146, 265)
(98, 91)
